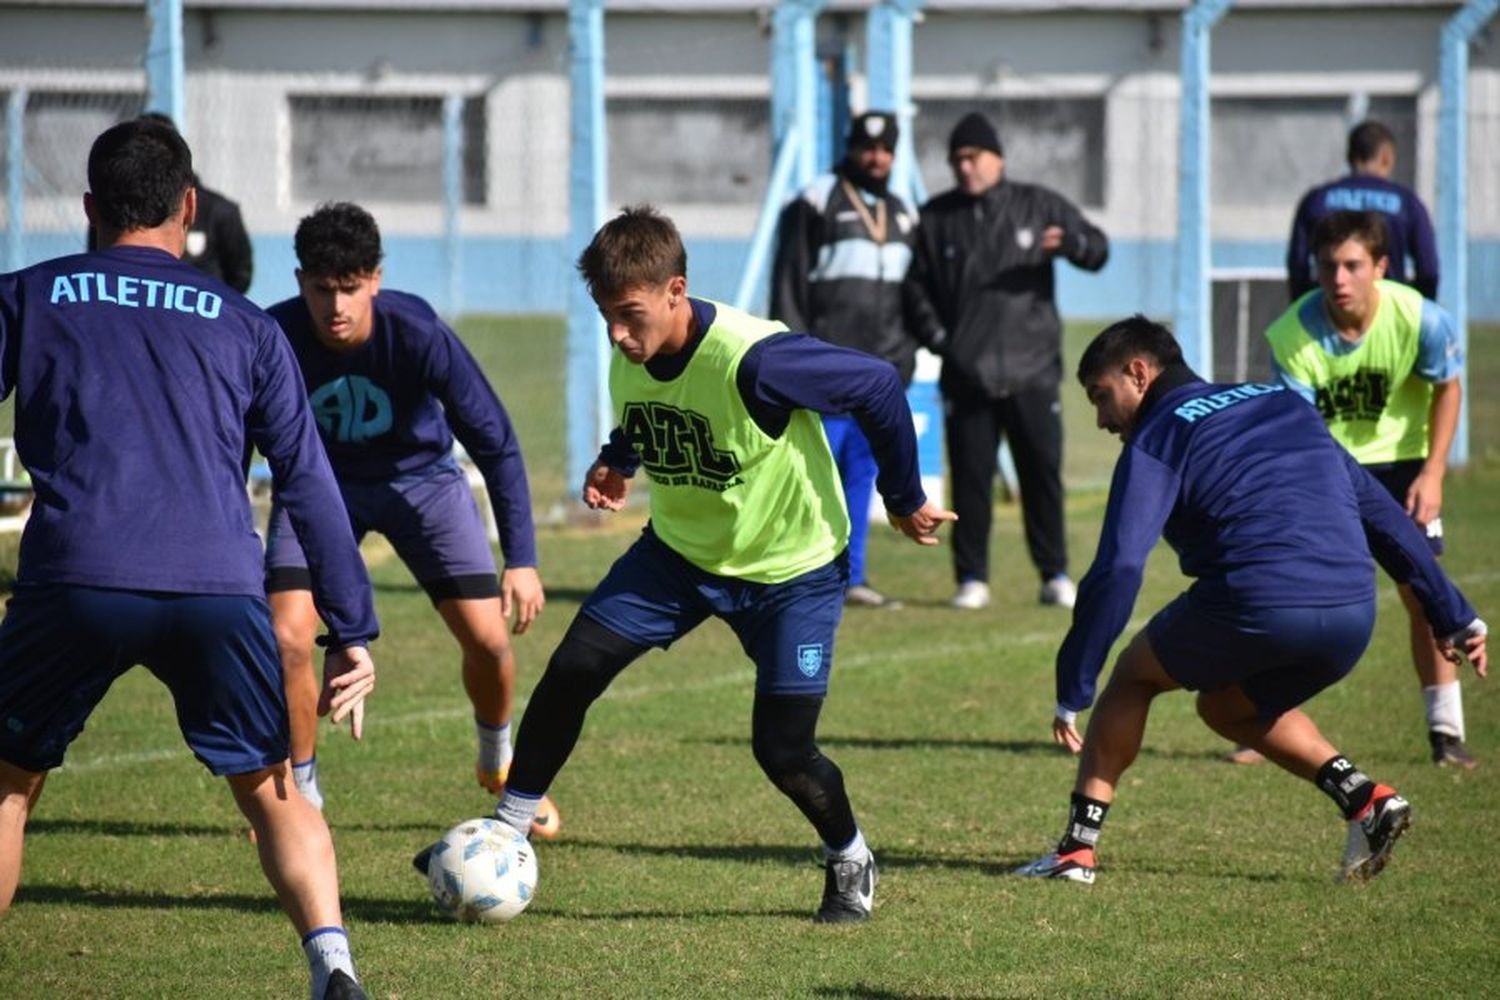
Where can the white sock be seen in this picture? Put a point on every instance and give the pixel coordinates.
(855, 850)
(517, 811)
(494, 745)
(305, 776)
(327, 949)
(1445, 708)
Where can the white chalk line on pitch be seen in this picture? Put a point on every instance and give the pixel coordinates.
(857, 661)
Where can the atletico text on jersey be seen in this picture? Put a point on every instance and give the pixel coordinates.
(725, 495)
(1408, 230)
(393, 405)
(1263, 509)
(133, 485)
(1375, 393)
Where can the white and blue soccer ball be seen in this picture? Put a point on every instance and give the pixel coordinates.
(482, 871)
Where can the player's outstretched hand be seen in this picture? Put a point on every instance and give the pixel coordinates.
(604, 488)
(921, 525)
(1065, 734)
(348, 676)
(521, 597)
(1469, 643)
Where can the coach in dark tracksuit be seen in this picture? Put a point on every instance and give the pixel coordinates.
(980, 289)
(843, 247)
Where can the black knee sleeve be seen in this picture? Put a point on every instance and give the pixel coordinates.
(783, 729)
(586, 661)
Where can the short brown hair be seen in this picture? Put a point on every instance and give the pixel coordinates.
(639, 248)
(1368, 228)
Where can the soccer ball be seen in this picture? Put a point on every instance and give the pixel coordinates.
(482, 871)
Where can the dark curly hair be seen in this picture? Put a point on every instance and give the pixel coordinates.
(337, 240)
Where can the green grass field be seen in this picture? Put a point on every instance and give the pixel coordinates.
(681, 872)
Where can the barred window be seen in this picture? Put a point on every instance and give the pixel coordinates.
(1269, 150)
(688, 150)
(381, 149)
(1057, 142)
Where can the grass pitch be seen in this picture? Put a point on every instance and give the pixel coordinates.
(681, 872)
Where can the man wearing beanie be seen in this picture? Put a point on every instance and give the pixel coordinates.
(980, 289)
(843, 247)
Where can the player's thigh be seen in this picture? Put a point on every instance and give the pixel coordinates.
(294, 617)
(220, 660)
(435, 526)
(652, 596)
(61, 647)
(788, 629)
(477, 623)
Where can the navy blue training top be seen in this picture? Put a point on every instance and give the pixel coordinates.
(792, 371)
(393, 405)
(1263, 508)
(1408, 228)
(137, 381)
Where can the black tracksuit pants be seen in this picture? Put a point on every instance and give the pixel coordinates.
(1032, 422)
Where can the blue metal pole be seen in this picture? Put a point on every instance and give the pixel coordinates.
(453, 198)
(1194, 331)
(765, 225)
(888, 41)
(589, 418)
(15, 179)
(164, 60)
(1453, 195)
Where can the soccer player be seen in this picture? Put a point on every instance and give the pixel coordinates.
(1281, 606)
(391, 386)
(1382, 365)
(748, 524)
(139, 384)
(1367, 188)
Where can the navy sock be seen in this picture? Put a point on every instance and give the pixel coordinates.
(1345, 784)
(1085, 817)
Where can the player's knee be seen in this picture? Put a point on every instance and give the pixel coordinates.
(579, 669)
(779, 757)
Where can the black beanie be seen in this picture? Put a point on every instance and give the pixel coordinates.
(874, 128)
(974, 129)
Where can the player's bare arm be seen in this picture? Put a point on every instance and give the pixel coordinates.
(348, 678)
(604, 488)
(921, 525)
(1424, 499)
(521, 596)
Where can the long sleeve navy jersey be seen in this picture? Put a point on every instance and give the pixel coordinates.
(791, 371)
(394, 404)
(137, 382)
(1263, 509)
(1408, 229)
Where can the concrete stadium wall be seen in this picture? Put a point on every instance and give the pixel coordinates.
(243, 66)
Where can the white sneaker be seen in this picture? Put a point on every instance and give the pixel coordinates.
(972, 595)
(1059, 591)
(1372, 835)
(1076, 867)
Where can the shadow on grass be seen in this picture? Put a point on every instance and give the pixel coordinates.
(417, 910)
(862, 992)
(1020, 747)
(128, 828)
(796, 856)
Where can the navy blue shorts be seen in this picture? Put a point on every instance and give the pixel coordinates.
(1397, 478)
(429, 517)
(652, 596)
(62, 646)
(1280, 657)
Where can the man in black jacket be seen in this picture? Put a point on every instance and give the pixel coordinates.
(842, 249)
(980, 290)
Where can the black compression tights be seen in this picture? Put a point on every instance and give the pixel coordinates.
(590, 656)
(782, 729)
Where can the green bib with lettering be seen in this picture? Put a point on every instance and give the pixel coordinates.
(725, 495)
(1369, 397)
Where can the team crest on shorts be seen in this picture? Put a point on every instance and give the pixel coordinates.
(810, 659)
